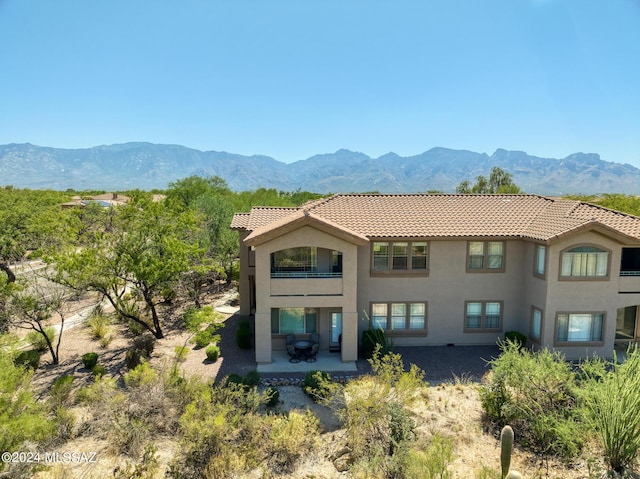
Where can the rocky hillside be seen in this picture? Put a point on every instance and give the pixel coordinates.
(148, 166)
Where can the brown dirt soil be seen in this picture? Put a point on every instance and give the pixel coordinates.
(451, 408)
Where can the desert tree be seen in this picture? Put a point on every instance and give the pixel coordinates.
(36, 304)
(499, 182)
(134, 259)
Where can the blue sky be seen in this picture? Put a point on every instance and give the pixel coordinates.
(292, 78)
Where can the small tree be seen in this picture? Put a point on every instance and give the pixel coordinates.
(34, 304)
(499, 182)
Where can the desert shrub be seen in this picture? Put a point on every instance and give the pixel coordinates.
(535, 393)
(213, 353)
(37, 340)
(89, 360)
(243, 335)
(374, 408)
(317, 385)
(28, 359)
(141, 375)
(252, 378)
(272, 396)
(60, 391)
(145, 469)
(97, 392)
(225, 435)
(98, 371)
(136, 328)
(22, 417)
(290, 438)
(611, 402)
(430, 462)
(64, 421)
(372, 338)
(516, 337)
(132, 358)
(145, 343)
(181, 353)
(99, 325)
(202, 339)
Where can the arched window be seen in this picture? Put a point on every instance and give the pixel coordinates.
(585, 261)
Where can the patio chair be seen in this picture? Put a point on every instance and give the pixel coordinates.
(290, 339)
(294, 354)
(311, 354)
(315, 338)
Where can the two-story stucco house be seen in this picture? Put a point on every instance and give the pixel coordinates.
(441, 269)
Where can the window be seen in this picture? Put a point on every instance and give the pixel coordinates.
(579, 327)
(540, 257)
(400, 256)
(585, 262)
(292, 260)
(306, 262)
(485, 256)
(293, 320)
(399, 316)
(536, 324)
(483, 316)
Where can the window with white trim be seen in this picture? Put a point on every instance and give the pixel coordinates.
(584, 262)
(399, 316)
(579, 327)
(483, 316)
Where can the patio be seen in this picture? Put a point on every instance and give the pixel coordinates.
(325, 361)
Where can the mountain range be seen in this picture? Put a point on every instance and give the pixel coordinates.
(153, 166)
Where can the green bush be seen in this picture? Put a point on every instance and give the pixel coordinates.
(272, 396)
(37, 340)
(22, 417)
(202, 339)
(98, 371)
(516, 337)
(316, 385)
(89, 360)
(372, 338)
(99, 325)
(536, 393)
(243, 337)
(213, 353)
(141, 375)
(611, 402)
(28, 359)
(61, 389)
(252, 379)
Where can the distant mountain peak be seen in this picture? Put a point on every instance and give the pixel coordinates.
(149, 165)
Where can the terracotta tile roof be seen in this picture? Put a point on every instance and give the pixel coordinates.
(441, 216)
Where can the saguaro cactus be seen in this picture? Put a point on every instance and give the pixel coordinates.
(506, 447)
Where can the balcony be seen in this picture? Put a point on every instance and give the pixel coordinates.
(306, 284)
(629, 282)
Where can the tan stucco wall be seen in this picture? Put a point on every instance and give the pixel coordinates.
(318, 293)
(447, 288)
(585, 296)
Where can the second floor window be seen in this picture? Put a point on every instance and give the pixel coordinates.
(485, 256)
(585, 261)
(400, 256)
